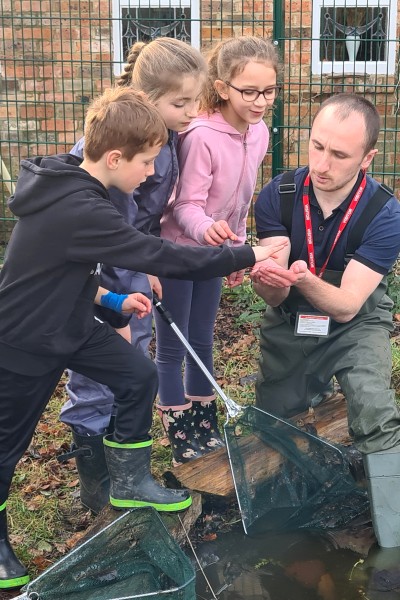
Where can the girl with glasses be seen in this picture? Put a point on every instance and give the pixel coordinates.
(219, 157)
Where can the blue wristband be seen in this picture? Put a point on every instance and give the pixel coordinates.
(113, 301)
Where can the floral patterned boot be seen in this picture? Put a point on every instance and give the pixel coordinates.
(179, 427)
(204, 417)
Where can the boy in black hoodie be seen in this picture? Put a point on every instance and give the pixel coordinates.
(67, 228)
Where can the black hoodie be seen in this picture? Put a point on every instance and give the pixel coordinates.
(67, 227)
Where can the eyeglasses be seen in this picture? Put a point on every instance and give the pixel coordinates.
(252, 95)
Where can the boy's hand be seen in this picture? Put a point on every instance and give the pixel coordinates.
(155, 285)
(125, 332)
(218, 233)
(270, 251)
(137, 303)
(235, 278)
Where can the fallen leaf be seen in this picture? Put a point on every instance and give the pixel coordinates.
(73, 483)
(72, 541)
(44, 546)
(35, 503)
(164, 442)
(210, 537)
(326, 587)
(306, 572)
(41, 562)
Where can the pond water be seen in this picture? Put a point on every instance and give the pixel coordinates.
(293, 566)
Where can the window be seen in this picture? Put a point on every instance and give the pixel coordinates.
(354, 36)
(143, 20)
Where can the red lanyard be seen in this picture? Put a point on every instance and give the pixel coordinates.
(308, 224)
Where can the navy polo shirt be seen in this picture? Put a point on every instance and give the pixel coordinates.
(380, 245)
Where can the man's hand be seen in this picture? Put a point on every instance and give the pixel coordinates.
(269, 273)
(155, 285)
(235, 278)
(218, 233)
(137, 303)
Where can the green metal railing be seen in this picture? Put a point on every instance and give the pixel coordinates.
(56, 55)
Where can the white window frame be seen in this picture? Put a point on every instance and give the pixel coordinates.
(118, 5)
(386, 67)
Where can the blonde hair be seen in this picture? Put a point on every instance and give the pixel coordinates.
(229, 58)
(122, 119)
(157, 67)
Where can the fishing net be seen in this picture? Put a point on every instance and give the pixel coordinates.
(133, 557)
(286, 478)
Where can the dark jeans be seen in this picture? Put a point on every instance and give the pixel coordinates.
(105, 357)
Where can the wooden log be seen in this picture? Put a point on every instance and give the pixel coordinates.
(211, 474)
(329, 420)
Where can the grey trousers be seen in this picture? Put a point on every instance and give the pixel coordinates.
(293, 368)
(91, 404)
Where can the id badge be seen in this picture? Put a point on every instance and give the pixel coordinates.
(312, 323)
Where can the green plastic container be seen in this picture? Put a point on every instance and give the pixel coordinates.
(133, 557)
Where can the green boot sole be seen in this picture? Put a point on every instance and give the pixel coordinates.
(173, 507)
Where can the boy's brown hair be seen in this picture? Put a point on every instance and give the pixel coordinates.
(122, 119)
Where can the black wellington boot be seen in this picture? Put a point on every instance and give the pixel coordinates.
(94, 480)
(179, 427)
(204, 417)
(13, 574)
(132, 484)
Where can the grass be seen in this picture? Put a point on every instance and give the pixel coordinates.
(396, 366)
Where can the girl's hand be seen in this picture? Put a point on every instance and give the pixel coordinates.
(155, 285)
(218, 233)
(137, 303)
(270, 251)
(235, 278)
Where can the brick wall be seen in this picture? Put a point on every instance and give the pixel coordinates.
(304, 93)
(55, 55)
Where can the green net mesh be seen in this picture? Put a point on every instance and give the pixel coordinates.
(288, 479)
(133, 557)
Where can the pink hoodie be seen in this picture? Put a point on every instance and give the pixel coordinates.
(218, 172)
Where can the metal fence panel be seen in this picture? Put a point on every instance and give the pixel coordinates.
(56, 55)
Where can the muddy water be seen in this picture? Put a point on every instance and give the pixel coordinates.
(294, 566)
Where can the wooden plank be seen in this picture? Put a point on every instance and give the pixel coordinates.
(211, 474)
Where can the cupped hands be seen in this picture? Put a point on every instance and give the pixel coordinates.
(268, 272)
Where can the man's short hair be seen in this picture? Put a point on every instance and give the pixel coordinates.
(346, 104)
(122, 119)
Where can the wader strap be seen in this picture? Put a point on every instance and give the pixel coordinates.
(375, 204)
(287, 192)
